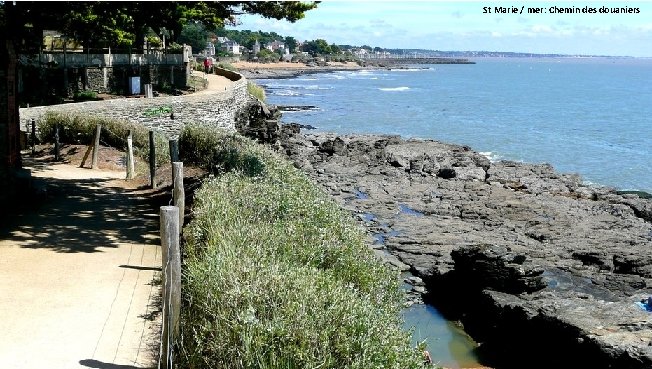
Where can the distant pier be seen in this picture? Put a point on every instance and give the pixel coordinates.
(416, 60)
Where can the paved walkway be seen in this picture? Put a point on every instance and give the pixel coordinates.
(215, 83)
(76, 275)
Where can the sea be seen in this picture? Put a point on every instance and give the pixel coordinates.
(589, 116)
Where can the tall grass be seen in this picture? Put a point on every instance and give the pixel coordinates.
(80, 129)
(227, 66)
(276, 275)
(256, 91)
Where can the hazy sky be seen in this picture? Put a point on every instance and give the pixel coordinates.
(463, 25)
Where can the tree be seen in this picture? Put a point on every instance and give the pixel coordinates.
(290, 43)
(126, 23)
(268, 56)
(105, 23)
(317, 47)
(195, 35)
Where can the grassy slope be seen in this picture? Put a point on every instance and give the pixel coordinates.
(276, 274)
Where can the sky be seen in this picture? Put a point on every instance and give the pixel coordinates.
(469, 26)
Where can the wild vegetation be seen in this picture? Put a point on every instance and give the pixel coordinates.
(80, 129)
(276, 275)
(256, 91)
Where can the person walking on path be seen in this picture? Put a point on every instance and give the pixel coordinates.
(207, 65)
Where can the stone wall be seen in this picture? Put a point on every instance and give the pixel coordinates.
(42, 84)
(166, 114)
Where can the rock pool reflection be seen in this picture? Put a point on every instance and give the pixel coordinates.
(448, 345)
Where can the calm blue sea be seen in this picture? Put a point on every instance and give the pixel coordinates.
(591, 116)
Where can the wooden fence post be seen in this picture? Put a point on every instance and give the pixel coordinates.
(178, 193)
(56, 143)
(174, 150)
(33, 138)
(152, 160)
(130, 156)
(169, 218)
(96, 146)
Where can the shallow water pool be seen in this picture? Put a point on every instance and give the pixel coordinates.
(448, 345)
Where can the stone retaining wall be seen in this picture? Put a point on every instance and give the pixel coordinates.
(166, 114)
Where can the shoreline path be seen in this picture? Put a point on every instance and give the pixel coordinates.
(78, 274)
(78, 271)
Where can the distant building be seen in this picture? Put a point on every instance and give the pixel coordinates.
(209, 50)
(232, 47)
(256, 47)
(361, 53)
(229, 46)
(276, 45)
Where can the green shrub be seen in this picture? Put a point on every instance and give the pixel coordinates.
(218, 152)
(80, 129)
(256, 91)
(277, 275)
(85, 95)
(227, 66)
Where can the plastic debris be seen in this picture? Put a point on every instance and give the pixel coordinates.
(645, 304)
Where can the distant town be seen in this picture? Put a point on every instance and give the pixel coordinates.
(269, 46)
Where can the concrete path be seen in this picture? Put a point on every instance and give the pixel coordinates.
(77, 273)
(215, 83)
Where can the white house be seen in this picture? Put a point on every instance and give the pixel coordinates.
(229, 46)
(360, 53)
(232, 47)
(275, 45)
(209, 50)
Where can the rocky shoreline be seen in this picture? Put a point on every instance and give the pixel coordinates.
(293, 70)
(536, 265)
(277, 73)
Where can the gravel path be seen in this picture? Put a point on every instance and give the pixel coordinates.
(77, 273)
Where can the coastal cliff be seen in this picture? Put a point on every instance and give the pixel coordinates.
(540, 268)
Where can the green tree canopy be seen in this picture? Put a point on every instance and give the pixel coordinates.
(195, 35)
(126, 23)
(291, 43)
(317, 47)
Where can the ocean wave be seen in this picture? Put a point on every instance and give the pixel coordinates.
(408, 70)
(285, 93)
(283, 86)
(402, 88)
(317, 87)
(491, 156)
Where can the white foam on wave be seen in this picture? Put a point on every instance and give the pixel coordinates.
(285, 93)
(402, 88)
(407, 70)
(491, 156)
(317, 87)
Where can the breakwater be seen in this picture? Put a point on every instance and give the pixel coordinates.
(408, 61)
(529, 260)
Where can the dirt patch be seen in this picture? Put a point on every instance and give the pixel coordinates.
(114, 160)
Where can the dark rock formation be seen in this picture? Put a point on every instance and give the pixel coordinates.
(541, 269)
(259, 121)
